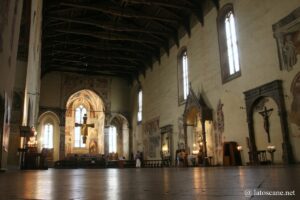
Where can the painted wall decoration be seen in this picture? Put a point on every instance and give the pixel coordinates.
(93, 147)
(219, 130)
(180, 144)
(287, 34)
(101, 85)
(295, 106)
(152, 138)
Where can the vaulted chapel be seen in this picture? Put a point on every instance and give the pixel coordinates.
(157, 99)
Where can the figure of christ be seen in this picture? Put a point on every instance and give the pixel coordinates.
(266, 113)
(84, 128)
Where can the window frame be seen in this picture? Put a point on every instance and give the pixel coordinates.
(81, 145)
(180, 76)
(112, 139)
(140, 107)
(223, 48)
(44, 133)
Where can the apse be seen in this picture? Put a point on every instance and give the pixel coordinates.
(81, 103)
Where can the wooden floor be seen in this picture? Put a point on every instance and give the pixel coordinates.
(162, 183)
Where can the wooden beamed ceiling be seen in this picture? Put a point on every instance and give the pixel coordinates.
(120, 38)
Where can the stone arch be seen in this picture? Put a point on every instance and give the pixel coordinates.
(295, 106)
(123, 139)
(95, 106)
(52, 118)
(273, 90)
(76, 90)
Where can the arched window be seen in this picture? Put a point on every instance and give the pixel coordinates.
(47, 140)
(79, 113)
(112, 139)
(140, 106)
(229, 55)
(183, 76)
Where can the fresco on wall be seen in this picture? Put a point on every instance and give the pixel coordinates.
(219, 130)
(100, 84)
(152, 138)
(93, 147)
(295, 107)
(287, 34)
(180, 144)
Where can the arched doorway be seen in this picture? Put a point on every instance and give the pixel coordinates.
(120, 124)
(81, 103)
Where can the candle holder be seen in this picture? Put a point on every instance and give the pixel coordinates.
(271, 149)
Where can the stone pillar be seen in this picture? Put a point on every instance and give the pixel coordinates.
(62, 142)
(288, 156)
(10, 18)
(32, 86)
(204, 137)
(185, 137)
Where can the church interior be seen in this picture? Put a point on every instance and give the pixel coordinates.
(188, 87)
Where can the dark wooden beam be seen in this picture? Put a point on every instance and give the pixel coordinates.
(98, 46)
(163, 3)
(99, 65)
(113, 37)
(195, 8)
(216, 3)
(85, 72)
(113, 27)
(187, 25)
(96, 68)
(105, 48)
(114, 10)
(199, 13)
(110, 25)
(106, 55)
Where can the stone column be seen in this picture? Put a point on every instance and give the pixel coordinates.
(62, 137)
(10, 19)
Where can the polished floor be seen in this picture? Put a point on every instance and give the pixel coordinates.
(228, 183)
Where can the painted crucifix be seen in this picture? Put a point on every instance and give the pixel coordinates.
(266, 113)
(84, 128)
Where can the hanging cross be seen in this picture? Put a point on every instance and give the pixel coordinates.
(266, 114)
(84, 128)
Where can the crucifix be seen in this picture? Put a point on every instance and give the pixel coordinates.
(84, 128)
(266, 113)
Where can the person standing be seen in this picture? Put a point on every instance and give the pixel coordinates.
(138, 159)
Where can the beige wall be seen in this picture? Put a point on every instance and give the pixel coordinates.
(55, 93)
(259, 65)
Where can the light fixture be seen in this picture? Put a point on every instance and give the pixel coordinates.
(239, 148)
(271, 148)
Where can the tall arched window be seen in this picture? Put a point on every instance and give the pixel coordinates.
(79, 113)
(140, 106)
(229, 55)
(183, 76)
(112, 139)
(47, 140)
